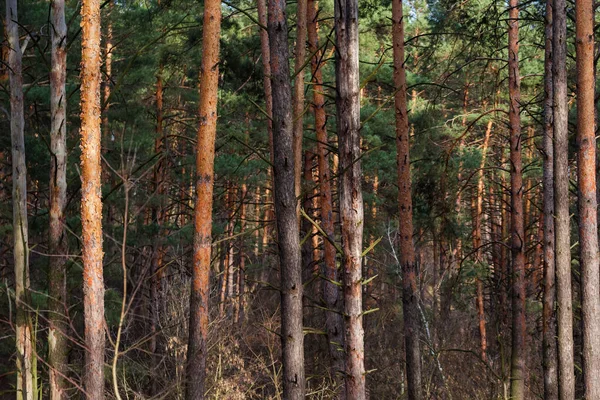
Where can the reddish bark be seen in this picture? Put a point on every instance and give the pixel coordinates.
(91, 204)
(266, 62)
(410, 293)
(331, 294)
(108, 49)
(298, 95)
(517, 375)
(586, 176)
(204, 180)
(477, 240)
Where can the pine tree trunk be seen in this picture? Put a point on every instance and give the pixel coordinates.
(108, 49)
(306, 227)
(586, 175)
(257, 219)
(23, 339)
(156, 280)
(550, 360)
(91, 204)
(292, 336)
(494, 227)
(410, 294)
(266, 62)
(350, 191)
(457, 251)
(331, 294)
(298, 95)
(566, 374)
(224, 274)
(517, 368)
(230, 298)
(241, 283)
(478, 242)
(205, 154)
(504, 263)
(57, 282)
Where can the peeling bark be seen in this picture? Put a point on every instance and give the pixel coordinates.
(204, 181)
(478, 242)
(91, 204)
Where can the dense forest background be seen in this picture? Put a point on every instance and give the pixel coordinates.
(458, 103)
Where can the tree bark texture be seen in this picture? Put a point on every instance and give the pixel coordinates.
(350, 190)
(57, 283)
(205, 155)
(586, 176)
(288, 233)
(477, 241)
(91, 204)
(410, 292)
(562, 252)
(331, 293)
(25, 389)
(550, 360)
(298, 95)
(517, 243)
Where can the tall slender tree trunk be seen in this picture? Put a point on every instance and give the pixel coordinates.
(494, 226)
(156, 280)
(108, 49)
(241, 282)
(331, 294)
(457, 251)
(588, 224)
(550, 360)
(566, 368)
(308, 260)
(298, 95)
(91, 204)
(517, 367)
(310, 254)
(350, 190)
(292, 336)
(205, 155)
(230, 299)
(504, 263)
(224, 274)
(257, 207)
(266, 62)
(19, 196)
(478, 242)
(410, 293)
(57, 282)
